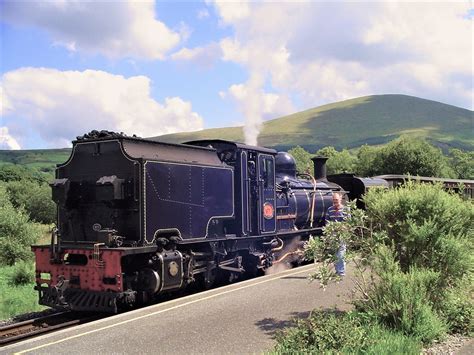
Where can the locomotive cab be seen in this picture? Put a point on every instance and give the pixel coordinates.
(255, 186)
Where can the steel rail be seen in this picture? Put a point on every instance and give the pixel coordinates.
(15, 332)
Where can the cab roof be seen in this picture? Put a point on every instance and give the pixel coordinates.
(214, 143)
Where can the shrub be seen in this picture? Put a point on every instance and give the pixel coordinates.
(326, 332)
(23, 273)
(384, 341)
(402, 301)
(458, 310)
(17, 232)
(353, 232)
(428, 227)
(323, 331)
(417, 242)
(422, 275)
(34, 198)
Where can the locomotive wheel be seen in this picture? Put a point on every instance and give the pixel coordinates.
(251, 265)
(149, 280)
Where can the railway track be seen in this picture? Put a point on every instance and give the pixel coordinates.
(15, 332)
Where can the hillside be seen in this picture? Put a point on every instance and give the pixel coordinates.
(42, 159)
(348, 124)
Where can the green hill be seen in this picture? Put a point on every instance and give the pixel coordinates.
(349, 124)
(42, 159)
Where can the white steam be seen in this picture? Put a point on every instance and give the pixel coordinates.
(291, 252)
(256, 105)
(249, 96)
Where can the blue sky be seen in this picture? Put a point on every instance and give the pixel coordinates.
(151, 68)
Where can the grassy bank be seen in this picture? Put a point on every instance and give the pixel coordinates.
(17, 295)
(16, 299)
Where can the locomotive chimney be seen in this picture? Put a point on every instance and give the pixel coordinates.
(319, 167)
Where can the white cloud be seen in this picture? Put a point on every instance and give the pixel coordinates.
(59, 105)
(203, 14)
(204, 56)
(329, 51)
(184, 31)
(114, 29)
(7, 141)
(4, 103)
(233, 50)
(231, 11)
(440, 35)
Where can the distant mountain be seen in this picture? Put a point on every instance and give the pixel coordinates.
(347, 124)
(369, 120)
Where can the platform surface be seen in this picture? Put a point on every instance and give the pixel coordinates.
(241, 318)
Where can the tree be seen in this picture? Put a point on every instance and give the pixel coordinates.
(338, 162)
(304, 164)
(34, 198)
(405, 155)
(462, 163)
(11, 172)
(365, 163)
(327, 152)
(17, 232)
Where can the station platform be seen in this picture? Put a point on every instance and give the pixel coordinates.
(241, 318)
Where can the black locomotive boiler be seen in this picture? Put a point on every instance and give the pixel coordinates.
(138, 218)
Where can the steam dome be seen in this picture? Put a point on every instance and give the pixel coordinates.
(285, 164)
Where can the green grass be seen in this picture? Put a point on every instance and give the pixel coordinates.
(42, 159)
(335, 332)
(373, 120)
(15, 300)
(384, 341)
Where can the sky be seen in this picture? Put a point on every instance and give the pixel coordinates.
(151, 68)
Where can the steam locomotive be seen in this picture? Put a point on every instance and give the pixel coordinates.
(138, 218)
